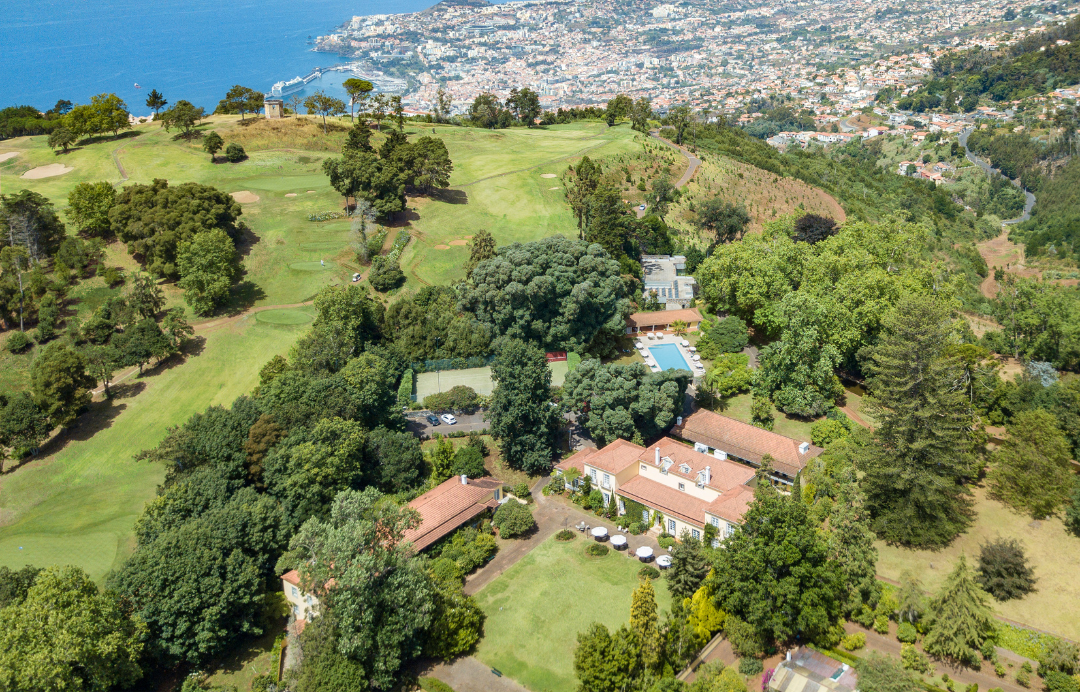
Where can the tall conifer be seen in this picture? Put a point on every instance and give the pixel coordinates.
(961, 617)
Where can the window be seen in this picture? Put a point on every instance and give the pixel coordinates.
(607, 481)
(729, 530)
(714, 521)
(644, 468)
(694, 533)
(592, 475)
(684, 468)
(645, 517)
(496, 493)
(607, 498)
(671, 526)
(716, 543)
(295, 593)
(682, 486)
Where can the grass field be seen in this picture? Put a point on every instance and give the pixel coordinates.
(479, 379)
(1052, 553)
(76, 505)
(536, 609)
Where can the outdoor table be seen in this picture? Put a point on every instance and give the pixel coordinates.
(663, 562)
(643, 553)
(618, 541)
(696, 357)
(684, 343)
(599, 532)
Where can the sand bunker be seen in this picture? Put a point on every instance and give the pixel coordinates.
(467, 237)
(290, 194)
(459, 242)
(442, 247)
(548, 175)
(311, 192)
(245, 197)
(8, 155)
(554, 188)
(53, 169)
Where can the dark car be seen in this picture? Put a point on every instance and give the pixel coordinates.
(432, 420)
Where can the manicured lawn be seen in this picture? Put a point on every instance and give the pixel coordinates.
(77, 505)
(536, 609)
(1052, 552)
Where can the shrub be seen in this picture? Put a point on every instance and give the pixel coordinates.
(513, 519)
(234, 153)
(1056, 681)
(854, 642)
(596, 549)
(565, 535)
(1003, 570)
(446, 570)
(636, 528)
(468, 548)
(468, 462)
(648, 572)
(434, 685)
(1059, 655)
(1023, 677)
(458, 398)
(666, 542)
(522, 490)
(973, 687)
(988, 651)
(906, 633)
(385, 274)
(17, 342)
(263, 683)
(999, 669)
(913, 659)
(881, 624)
(750, 666)
(404, 395)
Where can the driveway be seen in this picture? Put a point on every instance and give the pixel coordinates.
(416, 423)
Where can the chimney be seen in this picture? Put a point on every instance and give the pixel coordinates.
(708, 475)
(678, 420)
(657, 458)
(464, 479)
(789, 654)
(804, 447)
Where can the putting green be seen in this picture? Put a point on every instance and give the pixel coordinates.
(283, 316)
(311, 266)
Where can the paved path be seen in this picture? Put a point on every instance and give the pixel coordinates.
(469, 675)
(691, 169)
(1029, 198)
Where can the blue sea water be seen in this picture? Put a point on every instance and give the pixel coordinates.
(186, 49)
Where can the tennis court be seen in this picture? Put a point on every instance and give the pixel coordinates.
(479, 379)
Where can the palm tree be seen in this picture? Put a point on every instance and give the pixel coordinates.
(679, 327)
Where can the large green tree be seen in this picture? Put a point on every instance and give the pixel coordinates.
(184, 116)
(689, 567)
(358, 91)
(242, 100)
(960, 617)
(208, 267)
(776, 574)
(556, 293)
(155, 220)
(606, 662)
(89, 205)
(323, 105)
(851, 547)
(59, 383)
(369, 580)
(23, 424)
(28, 220)
(880, 673)
(1030, 469)
(427, 325)
(521, 416)
(921, 453)
(624, 401)
(67, 635)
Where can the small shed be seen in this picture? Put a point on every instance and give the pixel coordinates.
(275, 108)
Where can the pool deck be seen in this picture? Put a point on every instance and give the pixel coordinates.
(660, 339)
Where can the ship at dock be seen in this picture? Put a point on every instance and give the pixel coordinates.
(295, 84)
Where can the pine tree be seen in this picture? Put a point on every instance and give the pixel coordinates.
(851, 546)
(912, 603)
(922, 449)
(645, 624)
(689, 567)
(961, 617)
(1004, 571)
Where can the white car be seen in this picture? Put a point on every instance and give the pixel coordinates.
(642, 207)
(448, 419)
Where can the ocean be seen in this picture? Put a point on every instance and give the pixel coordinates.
(186, 49)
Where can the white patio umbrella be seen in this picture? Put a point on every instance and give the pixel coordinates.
(663, 562)
(684, 343)
(618, 541)
(644, 552)
(696, 357)
(599, 532)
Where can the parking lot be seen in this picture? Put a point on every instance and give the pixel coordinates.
(416, 422)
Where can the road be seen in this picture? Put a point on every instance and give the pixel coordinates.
(691, 170)
(990, 170)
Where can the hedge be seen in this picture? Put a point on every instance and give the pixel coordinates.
(405, 389)
(434, 685)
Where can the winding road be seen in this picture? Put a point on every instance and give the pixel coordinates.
(990, 170)
(691, 170)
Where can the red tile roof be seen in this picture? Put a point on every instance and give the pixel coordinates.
(449, 505)
(613, 458)
(648, 319)
(669, 501)
(292, 576)
(732, 505)
(723, 474)
(745, 441)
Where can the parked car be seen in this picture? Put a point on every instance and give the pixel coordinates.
(432, 420)
(448, 419)
(355, 278)
(642, 207)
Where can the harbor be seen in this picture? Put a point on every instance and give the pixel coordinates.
(383, 83)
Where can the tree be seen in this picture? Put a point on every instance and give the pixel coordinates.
(142, 342)
(645, 625)
(851, 546)
(242, 100)
(521, 416)
(921, 452)
(798, 370)
(679, 117)
(813, 228)
(385, 274)
(364, 175)
(729, 335)
(1072, 512)
(604, 662)
(398, 111)
(23, 425)
(1003, 570)
(426, 163)
(724, 221)
(457, 622)
(323, 668)
(145, 297)
(624, 401)
(89, 205)
(583, 182)
(358, 140)
(381, 596)
(468, 461)
(776, 574)
(102, 361)
(62, 138)
(911, 604)
(557, 293)
(28, 219)
(730, 374)
(761, 412)
(689, 567)
(15, 584)
(212, 144)
(640, 114)
(155, 101)
(234, 153)
(481, 248)
(484, 110)
(513, 519)
(104, 113)
(358, 90)
(880, 673)
(960, 617)
(619, 107)
(427, 324)
(155, 220)
(443, 103)
(661, 196)
(524, 104)
(608, 221)
(183, 116)
(379, 105)
(59, 384)
(1030, 469)
(441, 459)
(207, 266)
(67, 635)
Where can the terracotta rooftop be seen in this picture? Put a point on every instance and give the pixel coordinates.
(613, 458)
(639, 319)
(745, 441)
(292, 576)
(449, 505)
(670, 502)
(732, 505)
(723, 474)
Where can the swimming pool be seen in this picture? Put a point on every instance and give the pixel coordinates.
(668, 357)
